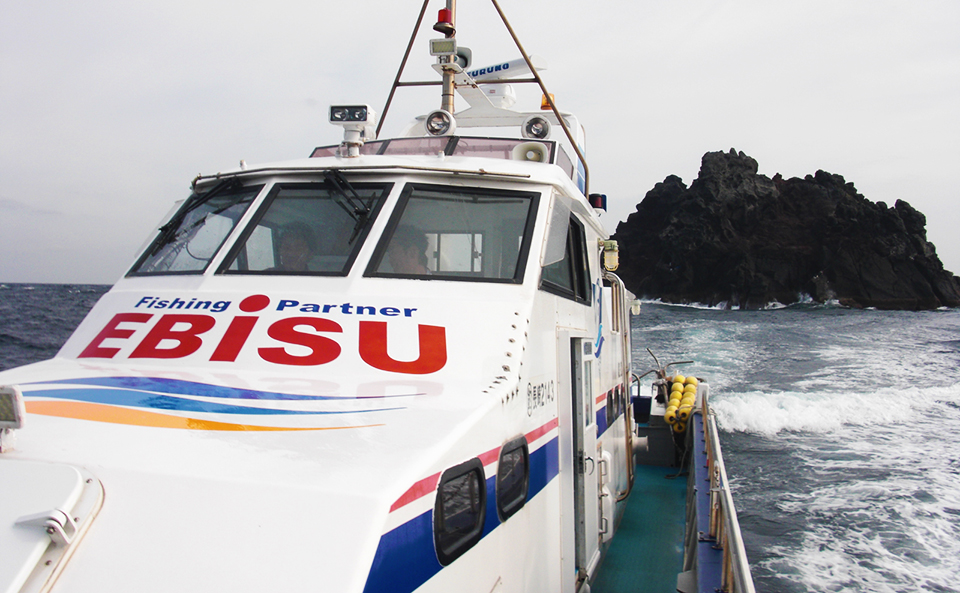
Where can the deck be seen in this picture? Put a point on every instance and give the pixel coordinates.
(639, 561)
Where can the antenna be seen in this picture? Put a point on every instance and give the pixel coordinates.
(446, 24)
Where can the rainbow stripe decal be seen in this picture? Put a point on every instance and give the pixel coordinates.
(173, 403)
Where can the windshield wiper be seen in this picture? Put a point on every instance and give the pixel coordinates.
(168, 232)
(350, 201)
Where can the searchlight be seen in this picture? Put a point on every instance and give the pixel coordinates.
(536, 127)
(359, 124)
(440, 123)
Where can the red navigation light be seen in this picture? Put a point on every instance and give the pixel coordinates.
(445, 22)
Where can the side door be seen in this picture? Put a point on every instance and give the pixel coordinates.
(583, 452)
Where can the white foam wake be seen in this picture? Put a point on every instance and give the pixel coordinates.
(769, 413)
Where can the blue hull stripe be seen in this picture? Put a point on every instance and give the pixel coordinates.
(406, 557)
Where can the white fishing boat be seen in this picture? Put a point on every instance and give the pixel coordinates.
(401, 364)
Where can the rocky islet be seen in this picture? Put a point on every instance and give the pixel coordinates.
(740, 239)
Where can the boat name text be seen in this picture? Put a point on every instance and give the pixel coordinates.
(539, 395)
(300, 341)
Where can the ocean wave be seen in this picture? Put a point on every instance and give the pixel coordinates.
(804, 301)
(872, 518)
(770, 413)
(722, 306)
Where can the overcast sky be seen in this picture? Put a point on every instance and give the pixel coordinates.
(109, 109)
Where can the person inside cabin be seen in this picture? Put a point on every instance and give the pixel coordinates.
(408, 251)
(297, 246)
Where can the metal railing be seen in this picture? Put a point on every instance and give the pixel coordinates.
(724, 526)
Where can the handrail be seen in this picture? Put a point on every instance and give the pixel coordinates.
(724, 526)
(622, 324)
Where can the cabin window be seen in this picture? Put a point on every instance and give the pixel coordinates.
(307, 229)
(498, 148)
(615, 404)
(190, 239)
(570, 277)
(454, 233)
(513, 477)
(460, 510)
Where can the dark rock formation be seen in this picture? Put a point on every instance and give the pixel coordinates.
(746, 240)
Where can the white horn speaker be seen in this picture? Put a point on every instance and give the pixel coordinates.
(536, 152)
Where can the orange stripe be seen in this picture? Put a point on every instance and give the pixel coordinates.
(117, 415)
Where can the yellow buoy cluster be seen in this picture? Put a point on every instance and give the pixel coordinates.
(683, 396)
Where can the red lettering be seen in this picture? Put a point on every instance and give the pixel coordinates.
(188, 340)
(234, 339)
(433, 349)
(94, 350)
(323, 349)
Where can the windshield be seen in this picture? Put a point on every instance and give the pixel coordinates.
(188, 242)
(455, 233)
(308, 228)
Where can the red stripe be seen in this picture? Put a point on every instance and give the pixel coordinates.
(490, 456)
(421, 488)
(429, 484)
(539, 432)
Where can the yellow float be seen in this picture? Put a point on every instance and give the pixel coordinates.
(670, 416)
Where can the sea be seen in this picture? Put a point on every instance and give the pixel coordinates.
(840, 428)
(840, 431)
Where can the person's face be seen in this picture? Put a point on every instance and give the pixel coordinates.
(404, 259)
(294, 253)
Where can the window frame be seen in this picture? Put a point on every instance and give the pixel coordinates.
(254, 223)
(576, 256)
(507, 508)
(396, 217)
(256, 189)
(616, 404)
(447, 552)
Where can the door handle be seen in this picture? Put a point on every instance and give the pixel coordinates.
(593, 465)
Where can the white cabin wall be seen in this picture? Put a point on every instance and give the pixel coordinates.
(613, 365)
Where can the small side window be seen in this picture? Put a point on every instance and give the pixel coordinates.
(570, 277)
(460, 510)
(615, 404)
(513, 477)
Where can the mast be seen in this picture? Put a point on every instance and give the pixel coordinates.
(447, 24)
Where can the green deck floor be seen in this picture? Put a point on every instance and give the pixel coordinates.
(647, 550)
